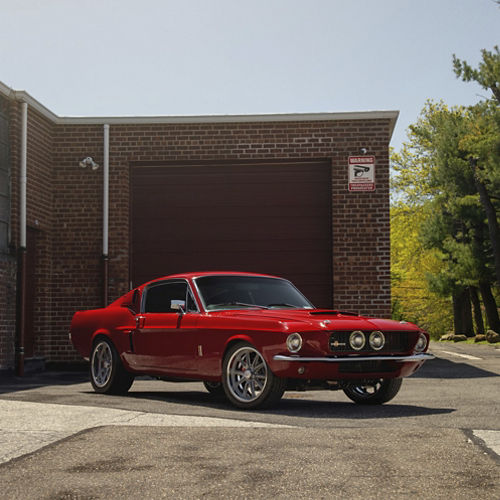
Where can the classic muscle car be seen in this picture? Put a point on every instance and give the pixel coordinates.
(247, 336)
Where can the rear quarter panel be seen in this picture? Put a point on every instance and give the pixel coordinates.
(114, 322)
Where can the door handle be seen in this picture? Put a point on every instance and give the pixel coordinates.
(140, 321)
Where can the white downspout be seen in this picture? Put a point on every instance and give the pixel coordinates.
(21, 269)
(23, 174)
(105, 214)
(105, 204)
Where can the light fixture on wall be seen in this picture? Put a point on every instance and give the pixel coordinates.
(363, 151)
(89, 162)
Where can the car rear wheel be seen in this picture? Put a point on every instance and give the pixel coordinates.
(107, 373)
(373, 392)
(247, 379)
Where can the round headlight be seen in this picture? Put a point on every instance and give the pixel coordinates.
(294, 342)
(377, 340)
(421, 343)
(357, 340)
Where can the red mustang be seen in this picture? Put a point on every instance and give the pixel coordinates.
(248, 336)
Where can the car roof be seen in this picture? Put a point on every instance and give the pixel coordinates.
(200, 274)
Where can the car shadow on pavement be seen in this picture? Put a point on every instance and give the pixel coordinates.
(446, 369)
(310, 408)
(296, 405)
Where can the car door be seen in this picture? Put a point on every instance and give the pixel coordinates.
(161, 340)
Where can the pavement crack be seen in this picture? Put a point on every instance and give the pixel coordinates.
(487, 440)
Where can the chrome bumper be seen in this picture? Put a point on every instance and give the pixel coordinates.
(355, 359)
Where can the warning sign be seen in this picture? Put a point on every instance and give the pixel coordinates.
(361, 173)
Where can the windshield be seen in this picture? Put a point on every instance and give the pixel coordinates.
(237, 292)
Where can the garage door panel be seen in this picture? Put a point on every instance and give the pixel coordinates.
(218, 202)
(231, 229)
(262, 218)
(233, 256)
(240, 196)
(237, 212)
(242, 252)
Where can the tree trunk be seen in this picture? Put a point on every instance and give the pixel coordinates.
(458, 325)
(491, 215)
(490, 306)
(467, 312)
(476, 306)
(462, 314)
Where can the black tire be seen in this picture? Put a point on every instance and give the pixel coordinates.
(107, 373)
(373, 392)
(248, 381)
(214, 388)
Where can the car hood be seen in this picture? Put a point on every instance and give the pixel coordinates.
(315, 319)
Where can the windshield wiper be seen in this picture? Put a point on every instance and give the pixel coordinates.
(284, 304)
(222, 304)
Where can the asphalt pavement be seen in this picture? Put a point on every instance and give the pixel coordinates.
(439, 438)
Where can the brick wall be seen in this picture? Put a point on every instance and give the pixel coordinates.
(8, 270)
(67, 203)
(39, 217)
(8, 264)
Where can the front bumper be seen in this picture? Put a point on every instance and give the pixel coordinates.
(347, 367)
(356, 359)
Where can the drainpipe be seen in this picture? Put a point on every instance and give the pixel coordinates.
(22, 240)
(105, 216)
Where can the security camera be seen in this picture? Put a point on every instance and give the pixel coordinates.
(363, 151)
(89, 162)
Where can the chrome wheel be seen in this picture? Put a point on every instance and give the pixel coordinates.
(107, 373)
(102, 364)
(246, 374)
(366, 390)
(373, 392)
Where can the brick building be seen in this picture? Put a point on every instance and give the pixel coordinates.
(265, 193)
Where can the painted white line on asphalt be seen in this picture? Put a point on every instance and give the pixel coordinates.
(491, 439)
(465, 356)
(26, 427)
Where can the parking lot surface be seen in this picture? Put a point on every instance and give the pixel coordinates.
(439, 438)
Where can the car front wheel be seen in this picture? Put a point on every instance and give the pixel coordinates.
(247, 379)
(107, 373)
(373, 392)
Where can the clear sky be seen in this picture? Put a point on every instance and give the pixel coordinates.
(196, 57)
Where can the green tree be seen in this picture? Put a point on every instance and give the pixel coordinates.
(483, 140)
(434, 173)
(411, 264)
(487, 74)
(449, 172)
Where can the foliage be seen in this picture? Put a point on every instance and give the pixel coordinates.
(446, 200)
(411, 264)
(487, 74)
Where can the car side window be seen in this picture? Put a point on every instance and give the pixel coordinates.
(159, 298)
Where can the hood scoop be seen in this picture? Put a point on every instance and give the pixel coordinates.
(332, 312)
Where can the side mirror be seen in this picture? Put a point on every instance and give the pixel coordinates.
(178, 305)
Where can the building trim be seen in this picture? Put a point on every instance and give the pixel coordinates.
(21, 95)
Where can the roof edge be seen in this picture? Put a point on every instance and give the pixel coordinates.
(23, 96)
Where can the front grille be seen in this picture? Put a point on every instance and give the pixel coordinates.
(395, 342)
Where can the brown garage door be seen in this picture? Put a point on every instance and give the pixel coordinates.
(272, 218)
